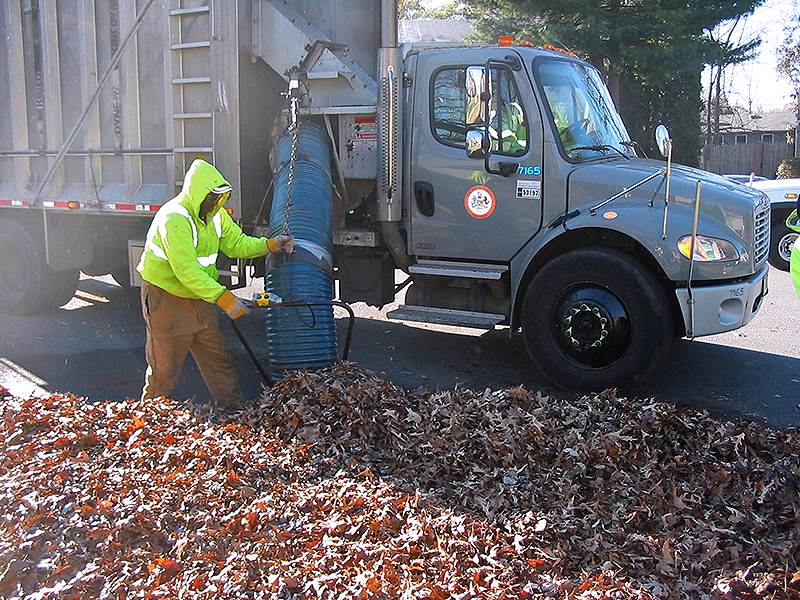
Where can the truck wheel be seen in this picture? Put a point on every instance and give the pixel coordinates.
(27, 283)
(780, 246)
(595, 318)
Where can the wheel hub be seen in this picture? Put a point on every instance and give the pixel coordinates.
(785, 246)
(586, 326)
(592, 325)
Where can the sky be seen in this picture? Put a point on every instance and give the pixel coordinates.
(756, 84)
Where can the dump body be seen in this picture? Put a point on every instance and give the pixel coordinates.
(191, 83)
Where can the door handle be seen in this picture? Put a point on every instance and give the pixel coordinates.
(423, 192)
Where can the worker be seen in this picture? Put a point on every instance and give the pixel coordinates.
(794, 257)
(181, 286)
(514, 131)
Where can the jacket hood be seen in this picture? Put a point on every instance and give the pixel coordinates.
(201, 178)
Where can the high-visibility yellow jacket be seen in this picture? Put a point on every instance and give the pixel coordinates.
(794, 260)
(181, 250)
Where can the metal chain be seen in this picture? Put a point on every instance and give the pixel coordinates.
(94, 181)
(293, 132)
(293, 127)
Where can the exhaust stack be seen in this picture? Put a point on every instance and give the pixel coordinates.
(390, 130)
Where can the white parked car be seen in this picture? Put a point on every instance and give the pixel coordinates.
(783, 196)
(745, 178)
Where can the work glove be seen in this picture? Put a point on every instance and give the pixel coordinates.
(280, 243)
(233, 305)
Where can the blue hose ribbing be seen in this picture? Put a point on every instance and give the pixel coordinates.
(301, 336)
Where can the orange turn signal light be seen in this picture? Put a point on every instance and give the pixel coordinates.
(554, 49)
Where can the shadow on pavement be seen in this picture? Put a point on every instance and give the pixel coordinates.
(94, 347)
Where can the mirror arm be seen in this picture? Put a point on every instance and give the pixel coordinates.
(511, 61)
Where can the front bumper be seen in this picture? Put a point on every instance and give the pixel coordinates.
(721, 308)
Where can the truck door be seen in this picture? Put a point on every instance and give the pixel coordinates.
(458, 210)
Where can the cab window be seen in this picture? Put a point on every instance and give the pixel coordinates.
(583, 113)
(508, 127)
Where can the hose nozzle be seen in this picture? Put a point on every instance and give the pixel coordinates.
(267, 299)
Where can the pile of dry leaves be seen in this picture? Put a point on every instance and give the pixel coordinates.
(337, 484)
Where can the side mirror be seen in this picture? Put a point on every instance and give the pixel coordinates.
(478, 143)
(663, 139)
(476, 104)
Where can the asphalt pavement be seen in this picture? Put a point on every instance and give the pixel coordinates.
(94, 347)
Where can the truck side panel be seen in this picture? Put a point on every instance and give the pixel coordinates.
(53, 58)
(13, 120)
(193, 82)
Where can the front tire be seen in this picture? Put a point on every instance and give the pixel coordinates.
(780, 246)
(594, 319)
(27, 283)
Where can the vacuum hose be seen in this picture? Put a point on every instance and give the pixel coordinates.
(310, 304)
(303, 206)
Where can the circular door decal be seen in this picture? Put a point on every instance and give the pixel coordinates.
(480, 202)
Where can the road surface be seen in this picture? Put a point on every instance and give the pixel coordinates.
(94, 347)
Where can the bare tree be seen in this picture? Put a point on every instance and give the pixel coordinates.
(789, 59)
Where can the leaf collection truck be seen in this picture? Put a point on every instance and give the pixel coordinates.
(499, 179)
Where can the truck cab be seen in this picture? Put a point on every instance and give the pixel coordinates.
(525, 204)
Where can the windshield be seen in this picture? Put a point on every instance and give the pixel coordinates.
(583, 112)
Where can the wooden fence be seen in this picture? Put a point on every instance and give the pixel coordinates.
(763, 159)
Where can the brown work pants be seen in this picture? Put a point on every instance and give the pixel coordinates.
(176, 326)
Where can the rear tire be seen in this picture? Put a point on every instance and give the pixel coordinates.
(595, 318)
(27, 283)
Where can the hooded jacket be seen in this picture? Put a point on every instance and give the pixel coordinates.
(181, 250)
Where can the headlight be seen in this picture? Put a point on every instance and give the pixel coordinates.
(707, 249)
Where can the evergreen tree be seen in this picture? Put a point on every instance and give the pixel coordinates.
(651, 52)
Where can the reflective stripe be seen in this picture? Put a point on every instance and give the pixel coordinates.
(160, 226)
(157, 227)
(217, 220)
(181, 210)
(157, 251)
(207, 261)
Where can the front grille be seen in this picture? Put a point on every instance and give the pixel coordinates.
(761, 237)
